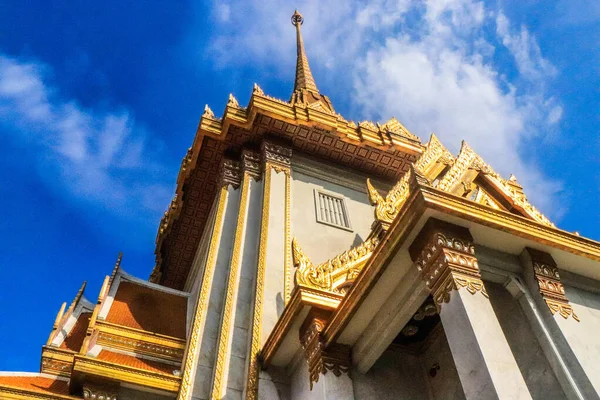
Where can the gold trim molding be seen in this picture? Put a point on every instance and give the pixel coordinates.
(253, 363)
(201, 307)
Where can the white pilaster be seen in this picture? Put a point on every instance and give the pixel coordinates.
(200, 354)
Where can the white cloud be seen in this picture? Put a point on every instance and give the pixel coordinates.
(524, 49)
(100, 158)
(429, 63)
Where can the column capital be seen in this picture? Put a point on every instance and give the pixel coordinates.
(279, 157)
(251, 164)
(445, 255)
(545, 272)
(334, 358)
(230, 173)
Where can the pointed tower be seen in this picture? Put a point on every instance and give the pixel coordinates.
(305, 89)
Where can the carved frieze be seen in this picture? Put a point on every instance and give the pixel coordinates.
(100, 392)
(276, 156)
(231, 173)
(545, 272)
(445, 256)
(251, 164)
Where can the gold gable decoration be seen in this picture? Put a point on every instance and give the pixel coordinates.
(335, 275)
(458, 179)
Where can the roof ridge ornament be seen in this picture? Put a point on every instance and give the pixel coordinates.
(304, 78)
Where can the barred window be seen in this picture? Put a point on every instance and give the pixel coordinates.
(331, 210)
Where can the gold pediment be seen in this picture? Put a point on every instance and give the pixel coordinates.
(467, 176)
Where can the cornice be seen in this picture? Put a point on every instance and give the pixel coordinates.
(121, 373)
(16, 393)
(140, 341)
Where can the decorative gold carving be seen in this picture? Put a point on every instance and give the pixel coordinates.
(394, 127)
(56, 367)
(224, 344)
(434, 152)
(288, 240)
(334, 275)
(387, 209)
(461, 165)
(334, 358)
(551, 288)
(252, 382)
(468, 159)
(232, 102)
(140, 346)
(257, 90)
(166, 219)
(208, 113)
(101, 368)
(201, 307)
(445, 256)
(515, 193)
(231, 174)
(95, 392)
(187, 160)
(368, 125)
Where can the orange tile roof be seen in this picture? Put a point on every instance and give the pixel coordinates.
(74, 339)
(36, 384)
(152, 310)
(135, 362)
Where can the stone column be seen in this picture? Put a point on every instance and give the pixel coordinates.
(444, 254)
(558, 327)
(328, 367)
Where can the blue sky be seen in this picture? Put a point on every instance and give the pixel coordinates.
(99, 102)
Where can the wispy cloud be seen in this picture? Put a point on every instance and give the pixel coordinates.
(431, 64)
(95, 158)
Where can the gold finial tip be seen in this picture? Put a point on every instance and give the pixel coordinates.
(297, 18)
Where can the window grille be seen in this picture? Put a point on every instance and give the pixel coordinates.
(331, 210)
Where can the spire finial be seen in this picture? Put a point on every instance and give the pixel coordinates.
(304, 78)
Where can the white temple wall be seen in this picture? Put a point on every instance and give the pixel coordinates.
(584, 336)
(318, 240)
(274, 384)
(274, 275)
(446, 383)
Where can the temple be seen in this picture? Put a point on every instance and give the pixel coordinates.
(307, 256)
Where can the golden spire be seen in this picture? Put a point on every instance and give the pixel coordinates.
(304, 78)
